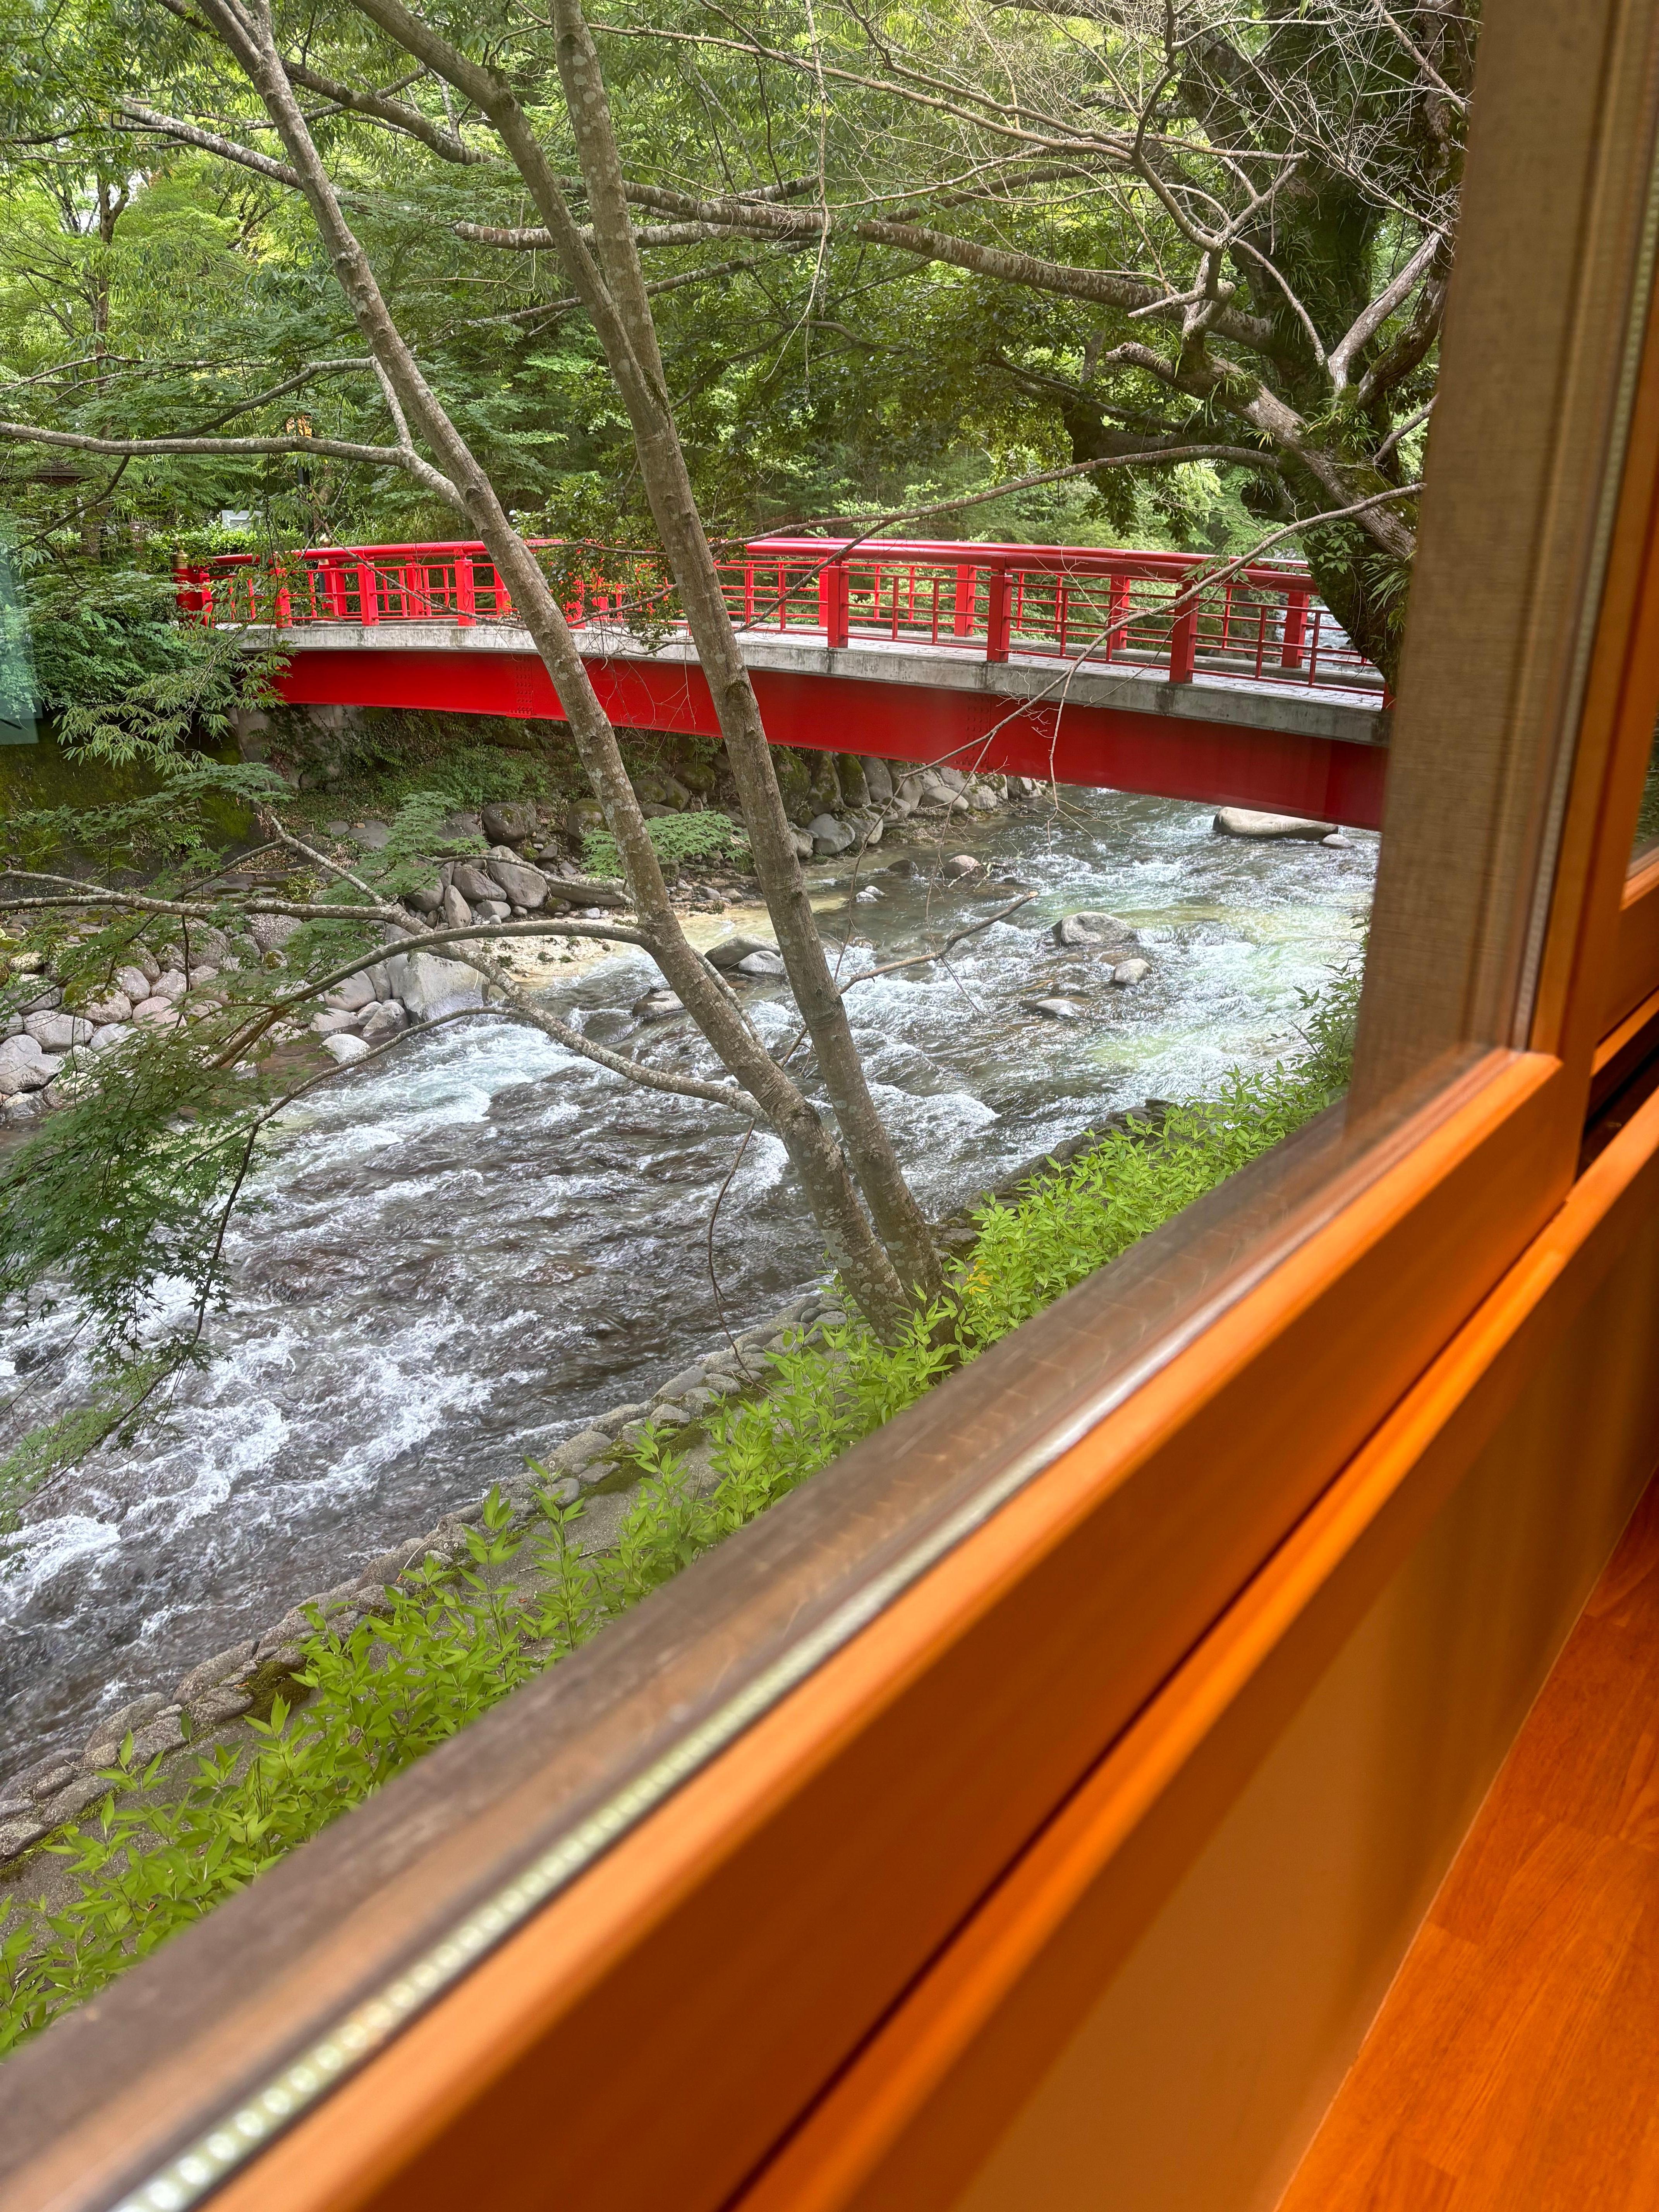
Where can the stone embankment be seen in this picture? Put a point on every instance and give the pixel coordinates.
(525, 871)
(209, 1702)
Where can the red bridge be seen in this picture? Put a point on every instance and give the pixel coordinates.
(1133, 671)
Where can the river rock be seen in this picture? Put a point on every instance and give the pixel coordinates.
(524, 885)
(57, 1032)
(962, 864)
(878, 781)
(214, 1707)
(688, 1378)
(112, 1034)
(19, 1111)
(1242, 821)
(345, 1047)
(657, 1007)
(425, 901)
(1104, 929)
(351, 996)
(225, 1667)
(731, 951)
(1131, 972)
(24, 1066)
(133, 984)
(1056, 1010)
(374, 837)
(385, 1022)
(495, 910)
(170, 986)
(17, 1835)
(586, 1449)
(159, 1012)
(507, 821)
(471, 881)
(457, 914)
(1338, 843)
(116, 1007)
(765, 961)
(829, 835)
(335, 1019)
(271, 931)
(71, 1801)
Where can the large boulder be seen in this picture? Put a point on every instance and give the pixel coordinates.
(522, 884)
(829, 835)
(429, 986)
(270, 931)
(57, 1032)
(471, 882)
(115, 1007)
(879, 782)
(507, 822)
(457, 914)
(133, 984)
(349, 997)
(1092, 928)
(24, 1066)
(1242, 821)
(732, 952)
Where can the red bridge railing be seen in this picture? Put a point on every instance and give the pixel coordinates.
(1262, 623)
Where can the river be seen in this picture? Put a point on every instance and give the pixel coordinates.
(467, 1251)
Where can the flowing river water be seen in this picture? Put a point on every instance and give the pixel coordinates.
(467, 1251)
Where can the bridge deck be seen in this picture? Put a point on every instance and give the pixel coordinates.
(1130, 670)
(1222, 739)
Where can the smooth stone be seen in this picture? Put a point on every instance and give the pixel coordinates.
(1057, 1010)
(1338, 843)
(495, 910)
(457, 914)
(57, 1032)
(962, 864)
(1243, 822)
(331, 1022)
(158, 1012)
(1068, 930)
(217, 1706)
(657, 1007)
(471, 881)
(345, 1049)
(374, 837)
(878, 781)
(688, 1378)
(763, 962)
(1131, 972)
(111, 1035)
(507, 821)
(24, 1066)
(425, 901)
(524, 885)
(271, 931)
(19, 1111)
(430, 986)
(387, 1021)
(225, 1667)
(351, 996)
(618, 1418)
(116, 1007)
(133, 984)
(731, 951)
(170, 986)
(582, 1450)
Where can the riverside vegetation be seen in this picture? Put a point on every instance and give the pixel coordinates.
(452, 1641)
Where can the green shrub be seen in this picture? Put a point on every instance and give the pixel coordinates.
(451, 1646)
(697, 839)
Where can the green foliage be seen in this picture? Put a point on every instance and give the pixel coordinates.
(697, 839)
(450, 1645)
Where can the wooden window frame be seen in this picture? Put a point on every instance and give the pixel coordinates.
(653, 2034)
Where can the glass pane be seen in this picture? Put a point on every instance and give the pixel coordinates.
(1647, 819)
(449, 1199)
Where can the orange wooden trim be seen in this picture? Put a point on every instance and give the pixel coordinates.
(1632, 970)
(607, 2056)
(910, 2119)
(1586, 936)
(1624, 1048)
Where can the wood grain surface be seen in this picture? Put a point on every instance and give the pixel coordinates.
(1515, 2062)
